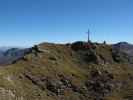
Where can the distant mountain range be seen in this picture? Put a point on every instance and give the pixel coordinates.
(125, 49)
(8, 55)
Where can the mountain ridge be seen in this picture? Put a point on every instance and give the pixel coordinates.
(7, 56)
(77, 71)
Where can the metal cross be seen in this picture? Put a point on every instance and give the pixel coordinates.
(88, 35)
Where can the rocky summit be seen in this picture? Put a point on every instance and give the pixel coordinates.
(77, 71)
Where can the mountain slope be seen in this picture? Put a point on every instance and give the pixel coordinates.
(124, 49)
(7, 56)
(59, 72)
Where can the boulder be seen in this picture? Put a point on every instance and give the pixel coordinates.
(100, 84)
(55, 86)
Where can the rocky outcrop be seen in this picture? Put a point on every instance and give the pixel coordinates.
(100, 84)
(78, 71)
(123, 52)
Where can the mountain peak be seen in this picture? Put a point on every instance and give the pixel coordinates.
(77, 71)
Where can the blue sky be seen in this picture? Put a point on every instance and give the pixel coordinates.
(28, 22)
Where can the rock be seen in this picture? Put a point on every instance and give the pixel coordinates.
(55, 86)
(68, 44)
(81, 46)
(130, 76)
(38, 81)
(104, 42)
(77, 45)
(100, 84)
(53, 58)
(128, 98)
(7, 94)
(36, 50)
